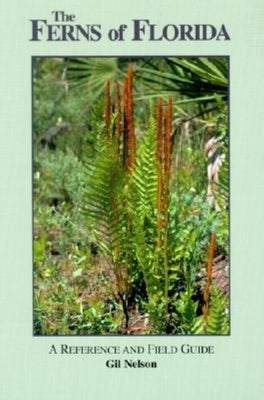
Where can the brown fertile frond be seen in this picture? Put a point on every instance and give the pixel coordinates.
(167, 157)
(125, 126)
(131, 115)
(167, 141)
(159, 136)
(118, 118)
(159, 163)
(129, 129)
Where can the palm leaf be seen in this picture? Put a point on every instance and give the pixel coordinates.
(197, 79)
(92, 73)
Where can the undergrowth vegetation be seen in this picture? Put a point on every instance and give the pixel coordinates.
(131, 196)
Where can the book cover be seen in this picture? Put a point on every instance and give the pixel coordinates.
(131, 200)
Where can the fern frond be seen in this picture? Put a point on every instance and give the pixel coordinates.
(102, 197)
(144, 178)
(218, 321)
(198, 326)
(142, 203)
(186, 307)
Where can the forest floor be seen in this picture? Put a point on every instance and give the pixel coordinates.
(91, 283)
(103, 287)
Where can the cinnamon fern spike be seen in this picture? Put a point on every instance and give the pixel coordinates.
(167, 141)
(125, 126)
(131, 115)
(129, 129)
(159, 162)
(167, 167)
(118, 118)
(167, 155)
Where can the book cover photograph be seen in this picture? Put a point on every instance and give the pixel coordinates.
(131, 196)
(131, 200)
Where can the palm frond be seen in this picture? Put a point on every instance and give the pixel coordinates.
(199, 79)
(92, 73)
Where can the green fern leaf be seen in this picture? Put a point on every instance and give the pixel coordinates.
(218, 321)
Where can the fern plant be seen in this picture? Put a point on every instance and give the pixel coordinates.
(127, 200)
(104, 207)
(142, 201)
